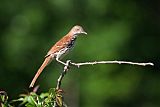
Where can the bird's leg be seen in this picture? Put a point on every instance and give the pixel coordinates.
(57, 59)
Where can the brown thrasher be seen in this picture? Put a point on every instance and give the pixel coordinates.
(59, 49)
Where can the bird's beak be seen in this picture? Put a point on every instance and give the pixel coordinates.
(84, 32)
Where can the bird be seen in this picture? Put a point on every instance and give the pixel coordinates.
(59, 49)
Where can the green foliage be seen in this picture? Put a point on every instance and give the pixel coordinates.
(53, 98)
(4, 99)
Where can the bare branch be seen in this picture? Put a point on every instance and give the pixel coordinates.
(68, 63)
(65, 69)
(59, 81)
(111, 62)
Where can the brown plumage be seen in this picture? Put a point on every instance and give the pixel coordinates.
(61, 48)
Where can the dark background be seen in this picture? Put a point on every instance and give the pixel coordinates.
(117, 30)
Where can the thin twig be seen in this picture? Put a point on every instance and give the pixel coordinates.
(68, 63)
(59, 81)
(65, 69)
(111, 62)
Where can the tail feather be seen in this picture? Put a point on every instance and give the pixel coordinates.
(45, 63)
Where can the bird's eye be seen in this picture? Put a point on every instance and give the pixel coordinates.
(77, 29)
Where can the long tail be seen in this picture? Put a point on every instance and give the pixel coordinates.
(45, 63)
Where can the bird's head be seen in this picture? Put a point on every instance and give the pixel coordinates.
(76, 30)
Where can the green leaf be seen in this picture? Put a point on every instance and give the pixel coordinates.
(32, 101)
(52, 92)
(44, 95)
(29, 105)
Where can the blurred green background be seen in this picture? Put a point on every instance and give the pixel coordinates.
(117, 30)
